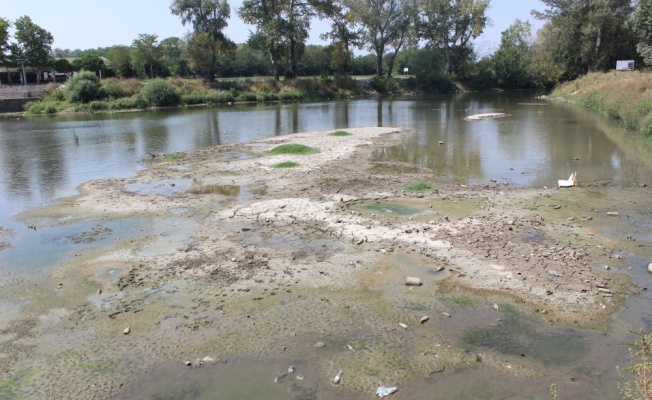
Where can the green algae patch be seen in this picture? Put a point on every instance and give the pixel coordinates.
(286, 164)
(12, 385)
(340, 133)
(391, 209)
(298, 149)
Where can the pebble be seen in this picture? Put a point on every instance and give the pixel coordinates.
(402, 325)
(127, 331)
(424, 319)
(649, 267)
(320, 344)
(99, 291)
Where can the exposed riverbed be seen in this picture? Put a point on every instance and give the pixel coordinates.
(227, 271)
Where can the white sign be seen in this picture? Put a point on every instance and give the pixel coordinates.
(625, 65)
(405, 70)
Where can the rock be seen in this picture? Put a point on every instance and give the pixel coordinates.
(127, 331)
(649, 267)
(613, 213)
(319, 345)
(412, 281)
(99, 291)
(424, 319)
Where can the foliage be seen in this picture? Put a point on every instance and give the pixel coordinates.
(208, 18)
(418, 187)
(291, 149)
(120, 58)
(146, 54)
(431, 74)
(643, 30)
(35, 42)
(384, 85)
(641, 369)
(88, 62)
(160, 93)
(4, 40)
(587, 36)
(83, 87)
(62, 65)
(172, 57)
(340, 133)
(450, 24)
(513, 58)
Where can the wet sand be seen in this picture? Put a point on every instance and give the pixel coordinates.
(236, 259)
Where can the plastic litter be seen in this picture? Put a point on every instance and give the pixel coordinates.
(385, 391)
(570, 182)
(553, 273)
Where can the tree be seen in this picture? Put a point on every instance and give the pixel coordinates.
(146, 52)
(344, 35)
(588, 35)
(62, 65)
(381, 21)
(643, 30)
(120, 59)
(4, 45)
(88, 62)
(172, 56)
(448, 24)
(35, 43)
(208, 19)
(266, 15)
(512, 59)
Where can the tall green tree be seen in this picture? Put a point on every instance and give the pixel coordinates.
(267, 16)
(589, 35)
(88, 62)
(343, 35)
(208, 18)
(146, 52)
(120, 59)
(643, 30)
(513, 57)
(4, 45)
(35, 43)
(450, 24)
(172, 56)
(382, 22)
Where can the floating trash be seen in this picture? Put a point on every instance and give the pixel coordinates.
(570, 182)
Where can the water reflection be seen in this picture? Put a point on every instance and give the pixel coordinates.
(538, 144)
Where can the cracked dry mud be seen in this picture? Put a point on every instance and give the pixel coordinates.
(275, 260)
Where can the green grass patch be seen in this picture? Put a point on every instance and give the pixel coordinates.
(286, 164)
(340, 133)
(418, 187)
(172, 156)
(291, 149)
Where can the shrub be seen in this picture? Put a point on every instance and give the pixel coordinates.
(83, 87)
(340, 133)
(112, 89)
(125, 103)
(247, 97)
(160, 93)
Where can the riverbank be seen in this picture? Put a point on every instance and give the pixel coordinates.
(223, 253)
(619, 95)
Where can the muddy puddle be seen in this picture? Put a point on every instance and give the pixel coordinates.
(170, 234)
(41, 247)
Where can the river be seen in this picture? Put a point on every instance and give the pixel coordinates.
(44, 159)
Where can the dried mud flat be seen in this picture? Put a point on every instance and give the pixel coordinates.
(242, 259)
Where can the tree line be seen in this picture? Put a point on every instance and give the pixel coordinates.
(432, 38)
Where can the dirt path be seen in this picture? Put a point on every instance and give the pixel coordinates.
(244, 259)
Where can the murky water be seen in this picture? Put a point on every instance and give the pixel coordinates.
(537, 144)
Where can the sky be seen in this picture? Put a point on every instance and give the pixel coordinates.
(88, 24)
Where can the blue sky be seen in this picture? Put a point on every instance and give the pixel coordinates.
(85, 24)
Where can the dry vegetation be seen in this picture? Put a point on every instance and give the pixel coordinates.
(621, 95)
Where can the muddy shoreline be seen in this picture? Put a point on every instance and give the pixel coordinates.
(230, 258)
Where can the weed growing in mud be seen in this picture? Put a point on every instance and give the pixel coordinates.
(292, 149)
(193, 326)
(340, 133)
(172, 157)
(641, 369)
(286, 164)
(418, 187)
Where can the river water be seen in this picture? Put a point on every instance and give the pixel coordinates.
(539, 142)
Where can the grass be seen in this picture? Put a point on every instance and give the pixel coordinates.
(286, 164)
(418, 187)
(292, 149)
(618, 95)
(340, 133)
(638, 386)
